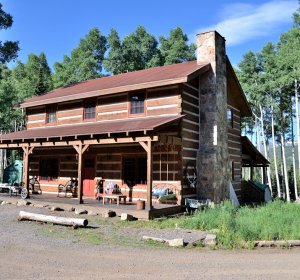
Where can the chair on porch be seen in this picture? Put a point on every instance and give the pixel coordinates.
(69, 187)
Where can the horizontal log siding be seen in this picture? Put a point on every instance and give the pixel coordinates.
(112, 108)
(159, 102)
(235, 150)
(190, 136)
(67, 167)
(165, 101)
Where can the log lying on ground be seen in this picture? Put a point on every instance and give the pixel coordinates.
(75, 222)
(273, 243)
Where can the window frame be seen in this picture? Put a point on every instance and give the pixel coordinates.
(90, 101)
(140, 93)
(51, 110)
(229, 120)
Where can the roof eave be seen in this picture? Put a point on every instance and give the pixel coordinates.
(108, 91)
(248, 111)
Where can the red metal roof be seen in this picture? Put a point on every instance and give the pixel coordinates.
(156, 76)
(97, 128)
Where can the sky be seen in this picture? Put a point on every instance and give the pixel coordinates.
(56, 26)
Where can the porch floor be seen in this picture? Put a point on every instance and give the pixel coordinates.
(96, 206)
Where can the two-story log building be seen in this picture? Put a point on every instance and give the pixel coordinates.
(160, 126)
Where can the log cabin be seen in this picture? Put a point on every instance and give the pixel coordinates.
(176, 126)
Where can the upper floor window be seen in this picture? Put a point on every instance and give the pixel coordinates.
(51, 115)
(137, 103)
(89, 111)
(230, 117)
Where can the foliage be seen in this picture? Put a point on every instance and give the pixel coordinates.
(235, 226)
(140, 50)
(137, 51)
(175, 48)
(85, 61)
(8, 49)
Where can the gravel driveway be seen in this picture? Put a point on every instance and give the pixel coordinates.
(31, 250)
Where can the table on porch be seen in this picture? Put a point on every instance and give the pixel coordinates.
(111, 197)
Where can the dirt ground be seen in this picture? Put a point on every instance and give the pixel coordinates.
(106, 250)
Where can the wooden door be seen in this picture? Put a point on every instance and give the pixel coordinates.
(89, 176)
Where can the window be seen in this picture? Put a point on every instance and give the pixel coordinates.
(135, 170)
(49, 169)
(230, 118)
(137, 103)
(89, 110)
(51, 115)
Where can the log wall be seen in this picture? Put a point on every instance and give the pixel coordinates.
(158, 102)
(235, 151)
(190, 136)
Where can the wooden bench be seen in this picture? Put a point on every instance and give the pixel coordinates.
(117, 197)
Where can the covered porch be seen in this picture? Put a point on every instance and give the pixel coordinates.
(83, 142)
(253, 160)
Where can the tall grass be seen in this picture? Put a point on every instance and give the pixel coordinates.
(274, 221)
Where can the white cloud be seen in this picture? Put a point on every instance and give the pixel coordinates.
(242, 22)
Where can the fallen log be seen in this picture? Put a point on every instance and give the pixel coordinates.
(75, 222)
(275, 243)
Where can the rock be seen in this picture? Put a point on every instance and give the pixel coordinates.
(210, 240)
(108, 214)
(1, 202)
(178, 242)
(5, 202)
(80, 211)
(157, 239)
(126, 217)
(38, 205)
(56, 208)
(92, 213)
(23, 202)
(70, 209)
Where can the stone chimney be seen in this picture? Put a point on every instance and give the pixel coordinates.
(213, 162)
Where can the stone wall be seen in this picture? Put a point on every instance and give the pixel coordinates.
(212, 160)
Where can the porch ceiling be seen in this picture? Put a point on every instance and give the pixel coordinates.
(144, 125)
(251, 156)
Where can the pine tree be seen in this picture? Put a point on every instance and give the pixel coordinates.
(85, 62)
(137, 51)
(175, 48)
(8, 49)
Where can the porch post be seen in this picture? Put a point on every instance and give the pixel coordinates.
(251, 171)
(264, 174)
(148, 148)
(27, 151)
(149, 176)
(80, 149)
(80, 190)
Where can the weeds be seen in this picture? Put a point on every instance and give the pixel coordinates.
(239, 227)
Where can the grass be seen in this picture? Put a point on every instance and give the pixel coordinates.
(239, 227)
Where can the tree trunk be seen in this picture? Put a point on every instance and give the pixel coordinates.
(52, 219)
(1, 165)
(293, 152)
(286, 180)
(265, 147)
(275, 156)
(258, 142)
(298, 124)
